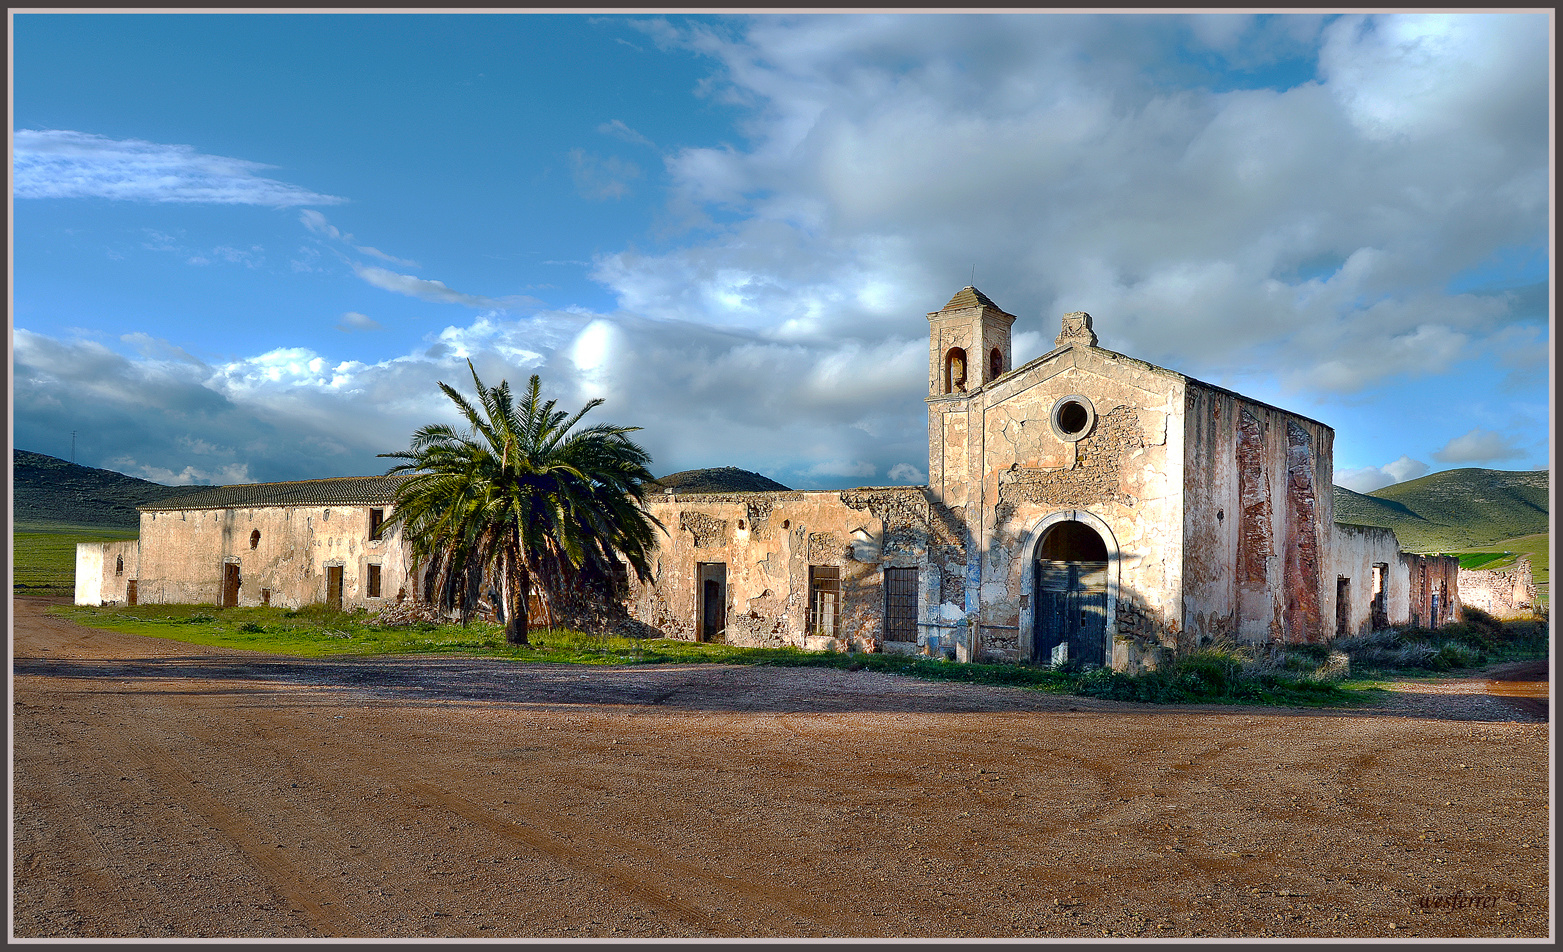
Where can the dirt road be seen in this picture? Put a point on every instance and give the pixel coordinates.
(163, 789)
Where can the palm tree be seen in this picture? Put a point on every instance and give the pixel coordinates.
(520, 500)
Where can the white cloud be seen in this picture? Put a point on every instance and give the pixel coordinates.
(1416, 75)
(600, 178)
(1209, 231)
(354, 321)
(1369, 478)
(1308, 234)
(1479, 446)
(189, 476)
(907, 473)
(841, 467)
(427, 290)
(57, 163)
(619, 130)
(160, 241)
(317, 223)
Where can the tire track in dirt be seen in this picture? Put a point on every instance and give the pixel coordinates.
(86, 884)
(654, 890)
(282, 878)
(285, 879)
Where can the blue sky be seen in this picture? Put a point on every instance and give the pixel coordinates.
(247, 246)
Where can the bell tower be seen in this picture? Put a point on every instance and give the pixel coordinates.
(968, 344)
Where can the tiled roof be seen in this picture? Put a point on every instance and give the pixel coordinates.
(341, 491)
(969, 297)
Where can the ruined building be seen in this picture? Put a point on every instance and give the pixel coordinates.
(286, 544)
(1084, 508)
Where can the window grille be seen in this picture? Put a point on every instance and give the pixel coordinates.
(825, 600)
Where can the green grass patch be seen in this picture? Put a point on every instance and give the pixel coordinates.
(1484, 560)
(45, 555)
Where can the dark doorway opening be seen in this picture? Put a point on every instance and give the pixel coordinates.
(130, 592)
(230, 597)
(1342, 606)
(334, 586)
(1070, 598)
(1380, 607)
(712, 599)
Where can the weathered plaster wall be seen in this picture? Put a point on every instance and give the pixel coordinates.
(767, 541)
(1501, 593)
(1355, 551)
(183, 553)
(104, 571)
(1257, 519)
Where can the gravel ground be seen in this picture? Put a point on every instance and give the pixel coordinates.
(169, 790)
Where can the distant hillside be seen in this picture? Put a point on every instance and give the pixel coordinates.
(723, 479)
(1454, 510)
(46, 489)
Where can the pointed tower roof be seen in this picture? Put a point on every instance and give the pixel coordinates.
(969, 297)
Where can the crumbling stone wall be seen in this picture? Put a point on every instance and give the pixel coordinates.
(1302, 619)
(1502, 593)
(1256, 524)
(1096, 477)
(708, 533)
(768, 541)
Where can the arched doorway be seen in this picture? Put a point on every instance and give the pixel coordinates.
(1070, 596)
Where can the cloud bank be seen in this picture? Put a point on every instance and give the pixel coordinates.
(1331, 207)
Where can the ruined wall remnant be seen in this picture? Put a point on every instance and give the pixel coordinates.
(912, 522)
(1256, 539)
(1502, 593)
(767, 543)
(826, 548)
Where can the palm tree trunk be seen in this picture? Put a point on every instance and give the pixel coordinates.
(517, 594)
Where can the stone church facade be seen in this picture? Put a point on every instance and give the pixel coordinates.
(1084, 508)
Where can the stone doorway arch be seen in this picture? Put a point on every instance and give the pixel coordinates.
(1070, 591)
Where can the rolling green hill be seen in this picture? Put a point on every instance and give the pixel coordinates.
(56, 504)
(722, 479)
(1456, 510)
(48, 490)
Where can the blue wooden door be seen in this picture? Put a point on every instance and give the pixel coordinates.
(1070, 613)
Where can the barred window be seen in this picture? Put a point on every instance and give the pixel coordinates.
(825, 600)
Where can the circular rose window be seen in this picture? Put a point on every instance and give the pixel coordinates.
(1073, 416)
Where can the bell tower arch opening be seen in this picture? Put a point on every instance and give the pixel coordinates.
(955, 370)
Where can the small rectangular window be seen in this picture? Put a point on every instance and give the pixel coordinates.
(825, 600)
(901, 604)
(374, 581)
(376, 519)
